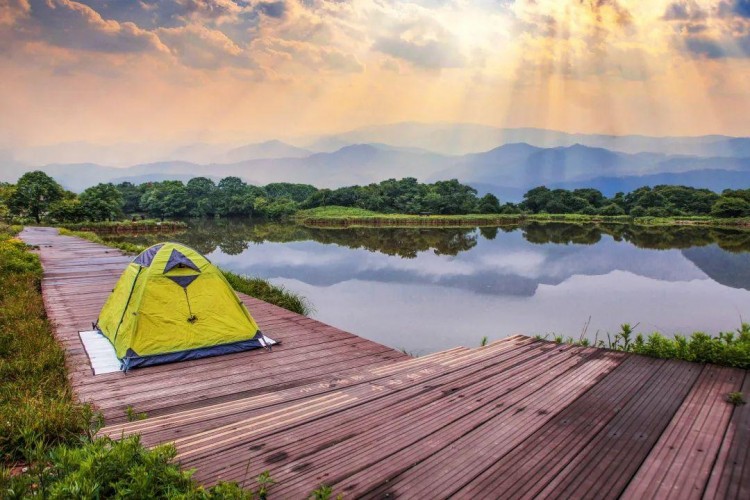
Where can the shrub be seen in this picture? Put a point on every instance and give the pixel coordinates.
(104, 468)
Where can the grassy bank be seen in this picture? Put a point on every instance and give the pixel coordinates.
(255, 287)
(36, 404)
(726, 349)
(141, 226)
(340, 217)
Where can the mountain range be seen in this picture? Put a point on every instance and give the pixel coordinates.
(506, 162)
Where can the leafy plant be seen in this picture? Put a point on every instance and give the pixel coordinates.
(324, 492)
(736, 398)
(265, 481)
(133, 416)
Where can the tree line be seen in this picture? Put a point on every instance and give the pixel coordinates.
(39, 197)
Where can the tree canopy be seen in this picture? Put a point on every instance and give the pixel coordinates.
(37, 196)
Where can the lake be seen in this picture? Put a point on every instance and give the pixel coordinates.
(424, 290)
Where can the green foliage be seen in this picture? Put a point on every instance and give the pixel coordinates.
(731, 207)
(36, 404)
(295, 192)
(104, 468)
(101, 202)
(405, 196)
(132, 416)
(736, 399)
(34, 193)
(484, 341)
(263, 290)
(165, 199)
(726, 349)
(323, 492)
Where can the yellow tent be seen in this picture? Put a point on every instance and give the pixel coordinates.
(172, 304)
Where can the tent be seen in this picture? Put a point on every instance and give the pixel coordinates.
(172, 304)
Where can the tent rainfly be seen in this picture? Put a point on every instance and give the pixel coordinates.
(172, 304)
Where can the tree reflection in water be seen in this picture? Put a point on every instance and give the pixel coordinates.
(233, 236)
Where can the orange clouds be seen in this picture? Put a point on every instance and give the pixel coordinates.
(216, 70)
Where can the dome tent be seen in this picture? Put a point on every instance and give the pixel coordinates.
(172, 304)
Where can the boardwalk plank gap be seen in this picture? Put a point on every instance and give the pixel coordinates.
(518, 418)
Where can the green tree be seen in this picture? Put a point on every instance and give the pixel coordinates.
(294, 192)
(234, 197)
(131, 196)
(535, 200)
(201, 192)
(102, 202)
(67, 210)
(612, 210)
(731, 207)
(165, 199)
(34, 193)
(6, 191)
(488, 204)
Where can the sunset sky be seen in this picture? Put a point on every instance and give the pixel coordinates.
(223, 70)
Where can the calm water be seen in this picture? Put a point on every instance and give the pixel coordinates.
(425, 290)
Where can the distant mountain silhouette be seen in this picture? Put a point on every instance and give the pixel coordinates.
(508, 170)
(265, 150)
(465, 138)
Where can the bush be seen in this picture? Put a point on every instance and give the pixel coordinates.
(731, 207)
(104, 468)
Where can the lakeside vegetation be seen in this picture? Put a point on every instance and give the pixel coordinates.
(725, 349)
(128, 226)
(255, 287)
(336, 216)
(37, 197)
(48, 447)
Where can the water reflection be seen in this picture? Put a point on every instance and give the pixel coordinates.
(428, 289)
(234, 236)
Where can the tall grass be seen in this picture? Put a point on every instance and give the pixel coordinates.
(36, 403)
(273, 294)
(726, 348)
(255, 287)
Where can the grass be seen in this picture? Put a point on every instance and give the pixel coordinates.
(736, 399)
(36, 404)
(334, 216)
(726, 349)
(255, 287)
(127, 226)
(273, 294)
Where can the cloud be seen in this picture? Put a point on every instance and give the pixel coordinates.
(11, 11)
(73, 25)
(430, 54)
(201, 47)
(685, 10)
(272, 9)
(718, 31)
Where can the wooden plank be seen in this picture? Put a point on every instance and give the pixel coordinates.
(730, 477)
(680, 464)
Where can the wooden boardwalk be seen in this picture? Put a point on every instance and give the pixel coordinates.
(519, 418)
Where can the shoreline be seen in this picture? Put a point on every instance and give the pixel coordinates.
(339, 218)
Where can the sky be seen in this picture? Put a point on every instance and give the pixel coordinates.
(109, 71)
